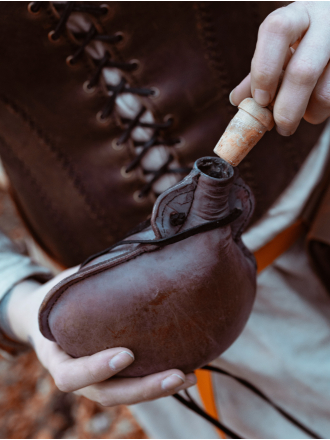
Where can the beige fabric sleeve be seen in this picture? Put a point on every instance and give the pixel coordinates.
(15, 267)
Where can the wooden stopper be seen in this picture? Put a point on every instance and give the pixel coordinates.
(243, 132)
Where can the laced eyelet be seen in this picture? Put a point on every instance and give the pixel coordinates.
(136, 64)
(88, 89)
(181, 143)
(101, 120)
(33, 8)
(168, 118)
(155, 93)
(125, 174)
(50, 37)
(116, 146)
(107, 10)
(137, 198)
(69, 61)
(120, 37)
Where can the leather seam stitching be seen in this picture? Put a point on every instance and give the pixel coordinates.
(62, 158)
(42, 195)
(205, 28)
(180, 194)
(247, 218)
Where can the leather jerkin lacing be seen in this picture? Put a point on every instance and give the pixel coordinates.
(159, 128)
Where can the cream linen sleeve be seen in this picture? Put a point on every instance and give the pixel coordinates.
(14, 268)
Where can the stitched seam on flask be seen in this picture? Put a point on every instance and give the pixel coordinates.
(247, 218)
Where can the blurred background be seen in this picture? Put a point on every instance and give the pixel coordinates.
(30, 404)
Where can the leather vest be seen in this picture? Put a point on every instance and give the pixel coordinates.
(64, 166)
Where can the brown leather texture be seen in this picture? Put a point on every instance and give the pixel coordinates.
(174, 306)
(63, 165)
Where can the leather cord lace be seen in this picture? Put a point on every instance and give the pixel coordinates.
(190, 403)
(114, 91)
(161, 242)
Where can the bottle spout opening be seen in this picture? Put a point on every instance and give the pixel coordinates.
(214, 167)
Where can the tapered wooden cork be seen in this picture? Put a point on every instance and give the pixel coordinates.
(244, 131)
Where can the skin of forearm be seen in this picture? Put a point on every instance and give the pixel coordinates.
(22, 309)
(23, 306)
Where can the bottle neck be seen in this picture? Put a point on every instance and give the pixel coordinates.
(212, 192)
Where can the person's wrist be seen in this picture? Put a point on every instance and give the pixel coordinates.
(23, 307)
(22, 310)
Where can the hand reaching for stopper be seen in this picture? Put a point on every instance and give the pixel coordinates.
(295, 38)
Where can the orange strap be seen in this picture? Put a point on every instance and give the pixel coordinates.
(264, 256)
(204, 384)
(276, 247)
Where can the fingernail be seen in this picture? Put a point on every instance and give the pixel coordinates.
(121, 360)
(283, 132)
(172, 382)
(192, 380)
(261, 97)
(189, 382)
(230, 100)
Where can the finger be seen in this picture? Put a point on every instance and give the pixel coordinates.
(72, 374)
(278, 32)
(190, 381)
(128, 391)
(300, 78)
(318, 108)
(243, 90)
(288, 57)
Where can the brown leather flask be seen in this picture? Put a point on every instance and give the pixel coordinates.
(176, 302)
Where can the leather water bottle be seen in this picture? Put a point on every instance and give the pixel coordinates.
(177, 293)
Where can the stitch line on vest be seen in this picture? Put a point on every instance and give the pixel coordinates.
(42, 195)
(96, 213)
(206, 30)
